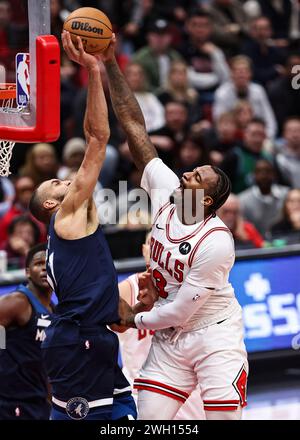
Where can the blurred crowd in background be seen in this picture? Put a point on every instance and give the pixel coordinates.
(218, 82)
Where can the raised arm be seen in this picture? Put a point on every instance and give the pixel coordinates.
(96, 128)
(128, 111)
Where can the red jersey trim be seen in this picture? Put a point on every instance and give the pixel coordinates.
(160, 388)
(187, 237)
(192, 254)
(221, 405)
(160, 211)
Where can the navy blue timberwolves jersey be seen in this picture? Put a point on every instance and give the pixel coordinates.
(84, 278)
(22, 374)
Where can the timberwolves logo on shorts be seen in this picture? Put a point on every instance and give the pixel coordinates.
(185, 248)
(77, 408)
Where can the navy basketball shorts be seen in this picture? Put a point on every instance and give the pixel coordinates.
(22, 410)
(86, 380)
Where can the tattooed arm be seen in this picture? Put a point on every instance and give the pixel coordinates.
(128, 111)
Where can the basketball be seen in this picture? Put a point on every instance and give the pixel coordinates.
(92, 26)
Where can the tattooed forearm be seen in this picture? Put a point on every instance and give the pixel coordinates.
(124, 102)
(130, 116)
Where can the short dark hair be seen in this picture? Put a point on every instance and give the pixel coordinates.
(267, 161)
(24, 219)
(34, 250)
(182, 104)
(36, 207)
(198, 12)
(222, 190)
(237, 59)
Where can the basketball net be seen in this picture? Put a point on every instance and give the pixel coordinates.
(6, 149)
(7, 103)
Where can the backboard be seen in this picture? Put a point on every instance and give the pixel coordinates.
(31, 65)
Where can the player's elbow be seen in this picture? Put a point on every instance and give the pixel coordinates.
(100, 134)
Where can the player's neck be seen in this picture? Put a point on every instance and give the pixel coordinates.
(198, 215)
(44, 296)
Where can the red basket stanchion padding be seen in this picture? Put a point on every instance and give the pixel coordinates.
(47, 127)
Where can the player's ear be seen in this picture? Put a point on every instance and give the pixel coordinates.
(207, 201)
(50, 204)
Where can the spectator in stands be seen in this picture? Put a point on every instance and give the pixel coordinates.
(57, 21)
(24, 188)
(142, 14)
(244, 233)
(23, 233)
(239, 163)
(230, 24)
(126, 201)
(73, 154)
(288, 158)
(68, 90)
(284, 91)
(221, 138)
(152, 108)
(178, 89)
(241, 87)
(262, 203)
(289, 225)
(280, 14)
(157, 56)
(207, 64)
(168, 138)
(243, 114)
(192, 154)
(267, 59)
(41, 163)
(7, 194)
(17, 32)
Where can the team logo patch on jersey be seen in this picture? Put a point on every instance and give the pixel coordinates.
(185, 248)
(77, 408)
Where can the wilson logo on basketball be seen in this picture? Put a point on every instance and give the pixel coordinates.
(79, 25)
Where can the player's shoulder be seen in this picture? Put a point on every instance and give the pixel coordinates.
(216, 234)
(213, 224)
(16, 304)
(17, 298)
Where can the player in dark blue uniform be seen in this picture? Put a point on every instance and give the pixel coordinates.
(25, 314)
(80, 351)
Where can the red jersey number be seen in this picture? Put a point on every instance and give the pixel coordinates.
(160, 283)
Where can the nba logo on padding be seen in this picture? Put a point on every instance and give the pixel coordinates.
(22, 79)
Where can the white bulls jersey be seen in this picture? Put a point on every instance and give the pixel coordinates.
(135, 343)
(201, 254)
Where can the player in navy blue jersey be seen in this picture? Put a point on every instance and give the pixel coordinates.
(25, 314)
(80, 351)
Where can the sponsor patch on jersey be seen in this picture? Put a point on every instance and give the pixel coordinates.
(185, 248)
(77, 408)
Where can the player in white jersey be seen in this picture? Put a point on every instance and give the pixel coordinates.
(198, 321)
(135, 343)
